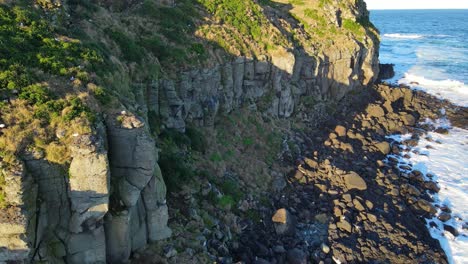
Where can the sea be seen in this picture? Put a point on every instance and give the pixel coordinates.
(429, 49)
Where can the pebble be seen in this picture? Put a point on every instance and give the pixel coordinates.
(325, 248)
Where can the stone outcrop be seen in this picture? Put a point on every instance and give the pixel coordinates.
(73, 216)
(139, 211)
(274, 84)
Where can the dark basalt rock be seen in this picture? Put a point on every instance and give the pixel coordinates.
(386, 71)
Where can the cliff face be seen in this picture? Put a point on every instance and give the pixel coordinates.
(275, 85)
(109, 199)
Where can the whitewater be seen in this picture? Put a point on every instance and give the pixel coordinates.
(430, 53)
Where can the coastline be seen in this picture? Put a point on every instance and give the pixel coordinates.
(347, 200)
(378, 215)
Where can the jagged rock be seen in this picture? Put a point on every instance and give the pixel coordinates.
(431, 186)
(411, 190)
(284, 222)
(374, 110)
(344, 225)
(426, 206)
(408, 119)
(354, 181)
(340, 131)
(384, 147)
(386, 71)
(358, 205)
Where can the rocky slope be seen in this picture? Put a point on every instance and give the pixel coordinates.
(85, 190)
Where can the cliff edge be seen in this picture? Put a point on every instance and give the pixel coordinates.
(95, 93)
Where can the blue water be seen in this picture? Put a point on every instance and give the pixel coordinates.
(430, 51)
(428, 45)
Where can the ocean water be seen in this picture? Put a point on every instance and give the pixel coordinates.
(430, 51)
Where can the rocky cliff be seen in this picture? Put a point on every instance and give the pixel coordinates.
(105, 197)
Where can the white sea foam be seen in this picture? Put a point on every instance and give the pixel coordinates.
(403, 36)
(453, 90)
(445, 156)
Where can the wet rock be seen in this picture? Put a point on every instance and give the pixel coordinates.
(386, 71)
(432, 186)
(444, 217)
(442, 131)
(354, 181)
(261, 261)
(426, 206)
(451, 230)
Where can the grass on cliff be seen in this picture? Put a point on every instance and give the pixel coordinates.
(241, 27)
(40, 73)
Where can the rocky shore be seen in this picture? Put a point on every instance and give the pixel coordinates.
(347, 202)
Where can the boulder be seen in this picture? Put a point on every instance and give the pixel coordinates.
(426, 206)
(284, 222)
(408, 119)
(444, 216)
(386, 71)
(352, 180)
(358, 205)
(384, 147)
(344, 225)
(374, 110)
(340, 131)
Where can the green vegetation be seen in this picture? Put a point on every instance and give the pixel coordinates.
(176, 160)
(39, 72)
(233, 12)
(174, 42)
(128, 47)
(323, 3)
(243, 29)
(353, 26)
